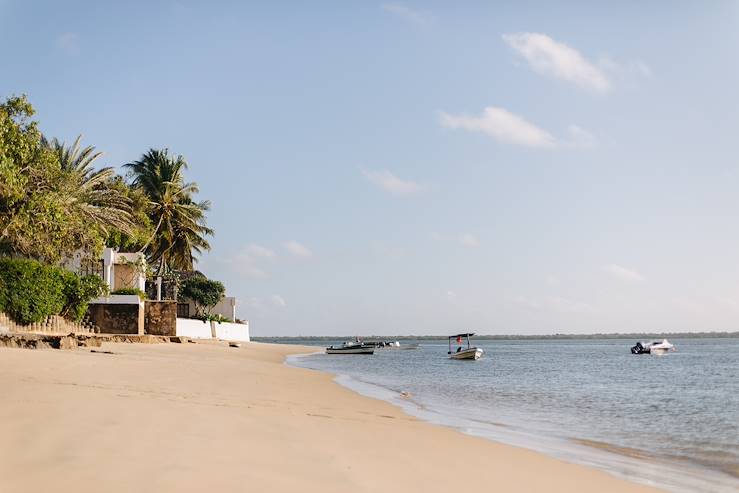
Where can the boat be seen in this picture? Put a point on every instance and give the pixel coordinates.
(398, 345)
(351, 348)
(390, 345)
(469, 352)
(654, 347)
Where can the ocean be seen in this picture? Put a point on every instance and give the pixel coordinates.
(670, 421)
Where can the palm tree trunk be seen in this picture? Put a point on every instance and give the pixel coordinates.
(159, 225)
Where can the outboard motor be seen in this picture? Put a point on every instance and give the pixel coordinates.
(637, 348)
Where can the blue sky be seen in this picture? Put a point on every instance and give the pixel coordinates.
(423, 167)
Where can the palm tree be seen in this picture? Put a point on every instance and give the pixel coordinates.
(75, 158)
(180, 221)
(87, 190)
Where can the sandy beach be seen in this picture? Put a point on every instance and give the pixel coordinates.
(195, 417)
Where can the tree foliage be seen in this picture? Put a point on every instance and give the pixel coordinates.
(135, 238)
(52, 202)
(30, 291)
(180, 228)
(204, 292)
(56, 202)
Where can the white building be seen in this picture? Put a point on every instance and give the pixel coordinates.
(226, 308)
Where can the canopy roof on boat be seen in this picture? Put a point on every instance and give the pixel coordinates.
(466, 334)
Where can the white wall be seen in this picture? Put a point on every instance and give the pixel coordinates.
(233, 332)
(225, 308)
(119, 299)
(198, 329)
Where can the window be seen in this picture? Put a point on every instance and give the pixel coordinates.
(183, 310)
(91, 267)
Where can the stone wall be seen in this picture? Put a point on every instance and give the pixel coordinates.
(116, 318)
(161, 318)
(169, 289)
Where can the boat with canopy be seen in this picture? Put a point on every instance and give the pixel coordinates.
(462, 352)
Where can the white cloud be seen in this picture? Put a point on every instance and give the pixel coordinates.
(247, 266)
(623, 273)
(408, 14)
(264, 304)
(469, 240)
(297, 249)
(503, 126)
(67, 43)
(391, 183)
(625, 72)
(249, 262)
(549, 57)
(260, 251)
(579, 138)
(509, 128)
(278, 301)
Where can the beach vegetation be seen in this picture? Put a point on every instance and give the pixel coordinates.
(59, 205)
(205, 293)
(138, 292)
(215, 317)
(31, 291)
(135, 238)
(180, 229)
(52, 202)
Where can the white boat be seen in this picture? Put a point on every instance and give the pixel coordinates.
(469, 352)
(350, 348)
(398, 345)
(654, 347)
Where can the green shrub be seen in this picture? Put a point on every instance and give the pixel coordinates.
(211, 318)
(31, 291)
(204, 292)
(136, 291)
(78, 292)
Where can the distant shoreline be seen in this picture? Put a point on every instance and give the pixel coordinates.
(511, 337)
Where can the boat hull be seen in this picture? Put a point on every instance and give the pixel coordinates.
(656, 348)
(473, 353)
(357, 350)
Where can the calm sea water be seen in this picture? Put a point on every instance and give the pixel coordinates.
(671, 421)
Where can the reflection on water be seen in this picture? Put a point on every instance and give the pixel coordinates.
(681, 408)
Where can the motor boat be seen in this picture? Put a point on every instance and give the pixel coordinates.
(654, 347)
(351, 348)
(462, 352)
(398, 345)
(390, 345)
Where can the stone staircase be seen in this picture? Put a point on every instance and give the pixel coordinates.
(52, 325)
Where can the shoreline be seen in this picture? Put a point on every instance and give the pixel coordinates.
(196, 416)
(626, 464)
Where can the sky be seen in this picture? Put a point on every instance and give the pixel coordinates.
(422, 167)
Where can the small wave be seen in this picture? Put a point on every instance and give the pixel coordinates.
(628, 463)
